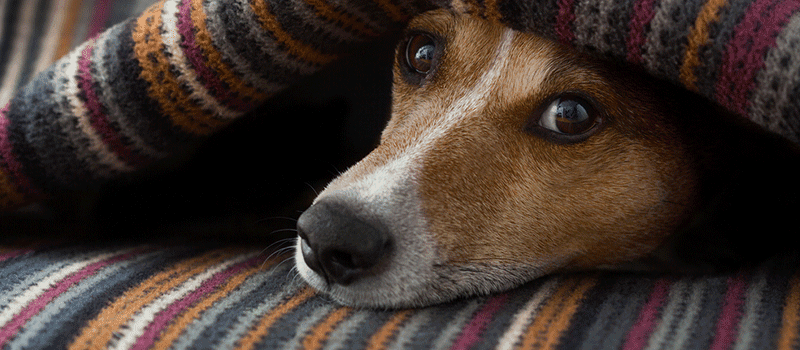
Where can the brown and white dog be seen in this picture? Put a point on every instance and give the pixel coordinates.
(508, 157)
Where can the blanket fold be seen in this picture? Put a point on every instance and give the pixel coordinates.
(184, 69)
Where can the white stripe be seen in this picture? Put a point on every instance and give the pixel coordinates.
(19, 50)
(19, 303)
(137, 325)
(172, 41)
(382, 182)
(95, 146)
(525, 316)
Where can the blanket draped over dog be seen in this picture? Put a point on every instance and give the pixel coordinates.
(184, 69)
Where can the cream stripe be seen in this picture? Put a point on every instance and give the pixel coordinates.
(748, 326)
(49, 43)
(19, 50)
(19, 303)
(96, 146)
(172, 40)
(137, 324)
(525, 316)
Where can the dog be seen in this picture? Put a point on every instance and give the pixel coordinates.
(509, 156)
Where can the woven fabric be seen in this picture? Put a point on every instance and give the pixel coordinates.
(193, 298)
(186, 68)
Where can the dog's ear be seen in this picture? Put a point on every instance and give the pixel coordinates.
(749, 195)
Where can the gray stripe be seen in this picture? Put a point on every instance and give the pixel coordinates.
(248, 317)
(308, 322)
(776, 82)
(666, 42)
(35, 330)
(340, 336)
(47, 268)
(676, 305)
(617, 314)
(600, 26)
(749, 323)
(454, 326)
(209, 318)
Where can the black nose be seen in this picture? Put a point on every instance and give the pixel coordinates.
(340, 246)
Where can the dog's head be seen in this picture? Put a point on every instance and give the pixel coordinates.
(507, 157)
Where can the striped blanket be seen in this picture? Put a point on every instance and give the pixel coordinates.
(146, 86)
(148, 297)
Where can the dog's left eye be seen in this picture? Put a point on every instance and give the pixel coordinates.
(570, 115)
(566, 118)
(420, 52)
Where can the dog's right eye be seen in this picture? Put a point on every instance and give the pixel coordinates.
(420, 52)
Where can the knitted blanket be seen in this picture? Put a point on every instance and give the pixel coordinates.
(146, 87)
(145, 297)
(184, 69)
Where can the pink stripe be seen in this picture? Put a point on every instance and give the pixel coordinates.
(641, 330)
(11, 328)
(195, 55)
(9, 161)
(643, 13)
(564, 20)
(164, 317)
(731, 314)
(472, 333)
(99, 18)
(744, 54)
(98, 117)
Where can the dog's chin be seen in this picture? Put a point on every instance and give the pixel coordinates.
(410, 283)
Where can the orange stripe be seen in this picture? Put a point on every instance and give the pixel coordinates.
(698, 37)
(379, 340)
(179, 324)
(98, 332)
(554, 317)
(349, 22)
(295, 48)
(68, 28)
(788, 337)
(394, 12)
(214, 58)
(316, 337)
(163, 87)
(262, 328)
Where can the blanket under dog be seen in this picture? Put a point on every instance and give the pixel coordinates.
(184, 69)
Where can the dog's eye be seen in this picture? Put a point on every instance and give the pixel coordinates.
(569, 115)
(420, 52)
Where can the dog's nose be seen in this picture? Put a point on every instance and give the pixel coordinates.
(340, 246)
